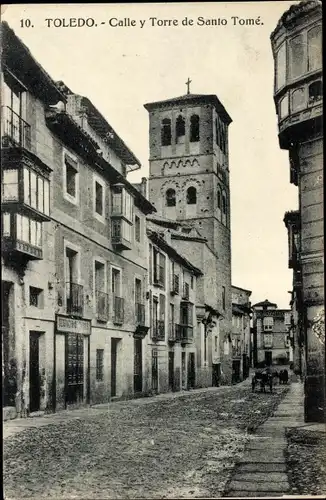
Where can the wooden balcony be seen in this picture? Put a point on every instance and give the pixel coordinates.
(186, 334)
(75, 299)
(15, 132)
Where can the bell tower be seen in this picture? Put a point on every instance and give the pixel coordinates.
(189, 165)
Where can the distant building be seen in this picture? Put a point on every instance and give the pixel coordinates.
(298, 92)
(171, 350)
(241, 314)
(271, 326)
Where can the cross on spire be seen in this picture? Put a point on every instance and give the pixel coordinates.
(188, 82)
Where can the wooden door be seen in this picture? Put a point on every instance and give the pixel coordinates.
(191, 370)
(138, 365)
(171, 371)
(74, 369)
(34, 372)
(114, 345)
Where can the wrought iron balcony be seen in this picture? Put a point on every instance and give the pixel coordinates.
(140, 314)
(102, 306)
(159, 276)
(75, 299)
(175, 284)
(159, 330)
(187, 333)
(14, 130)
(118, 310)
(236, 352)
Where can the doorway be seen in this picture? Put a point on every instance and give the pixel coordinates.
(34, 371)
(183, 370)
(191, 370)
(74, 369)
(154, 371)
(216, 374)
(138, 365)
(171, 371)
(114, 349)
(268, 358)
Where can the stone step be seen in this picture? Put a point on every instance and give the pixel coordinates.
(252, 477)
(270, 486)
(260, 467)
(246, 494)
(256, 456)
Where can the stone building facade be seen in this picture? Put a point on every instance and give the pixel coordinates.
(189, 183)
(171, 350)
(271, 326)
(241, 339)
(74, 258)
(297, 50)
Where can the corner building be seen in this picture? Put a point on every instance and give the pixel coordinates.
(297, 50)
(189, 180)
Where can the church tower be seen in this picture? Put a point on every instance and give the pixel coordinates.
(189, 167)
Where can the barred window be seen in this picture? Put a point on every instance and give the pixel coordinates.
(99, 364)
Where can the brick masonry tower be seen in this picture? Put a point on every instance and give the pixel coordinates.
(297, 50)
(189, 177)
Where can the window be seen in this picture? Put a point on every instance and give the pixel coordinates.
(137, 228)
(284, 107)
(180, 129)
(268, 322)
(224, 210)
(121, 229)
(10, 185)
(35, 296)
(99, 276)
(194, 128)
(280, 66)
(192, 282)
(116, 282)
(186, 313)
(315, 91)
(170, 198)
(36, 191)
(298, 99)
(219, 199)
(71, 178)
(29, 230)
(99, 197)
(314, 48)
(162, 307)
(297, 64)
(6, 224)
(99, 364)
(215, 344)
(159, 267)
(122, 203)
(166, 132)
(223, 297)
(268, 340)
(191, 196)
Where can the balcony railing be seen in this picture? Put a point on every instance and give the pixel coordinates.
(14, 130)
(187, 333)
(75, 299)
(102, 306)
(175, 284)
(236, 352)
(159, 330)
(159, 276)
(118, 310)
(140, 314)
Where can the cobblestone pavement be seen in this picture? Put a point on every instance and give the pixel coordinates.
(168, 447)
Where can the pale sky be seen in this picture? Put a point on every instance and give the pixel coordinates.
(121, 68)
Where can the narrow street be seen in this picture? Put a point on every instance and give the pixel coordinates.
(164, 447)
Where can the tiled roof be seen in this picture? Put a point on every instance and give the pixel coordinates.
(195, 99)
